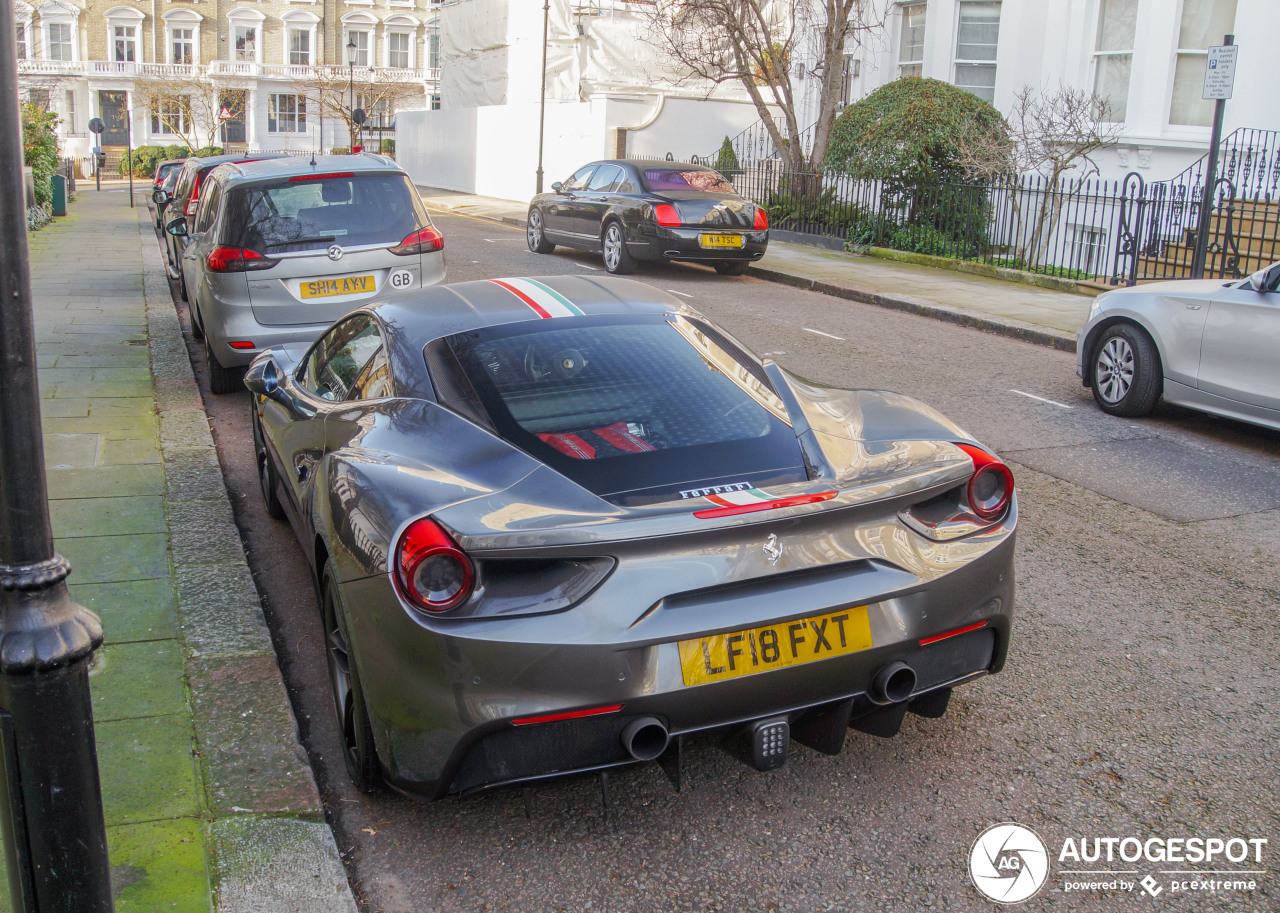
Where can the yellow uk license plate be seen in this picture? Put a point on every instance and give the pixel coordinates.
(344, 285)
(723, 656)
(720, 240)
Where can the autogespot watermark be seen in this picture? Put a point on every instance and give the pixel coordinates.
(1009, 864)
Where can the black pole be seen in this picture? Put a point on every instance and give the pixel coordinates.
(55, 842)
(1210, 178)
(128, 138)
(351, 97)
(542, 103)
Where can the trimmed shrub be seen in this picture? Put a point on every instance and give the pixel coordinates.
(40, 150)
(727, 160)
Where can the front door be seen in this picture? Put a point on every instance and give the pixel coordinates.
(233, 103)
(112, 107)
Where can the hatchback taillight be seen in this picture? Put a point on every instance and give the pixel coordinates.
(190, 209)
(420, 242)
(990, 489)
(762, 220)
(236, 260)
(666, 215)
(431, 572)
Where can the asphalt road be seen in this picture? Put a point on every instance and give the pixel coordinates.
(1139, 699)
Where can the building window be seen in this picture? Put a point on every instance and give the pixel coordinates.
(434, 51)
(60, 47)
(1113, 57)
(361, 39)
(124, 47)
(22, 40)
(169, 115)
(70, 111)
(299, 50)
(976, 41)
(1088, 248)
(39, 98)
(246, 43)
(398, 49)
(1204, 23)
(911, 41)
(286, 114)
(435, 102)
(852, 67)
(182, 43)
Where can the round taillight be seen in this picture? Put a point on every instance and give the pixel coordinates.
(431, 571)
(990, 488)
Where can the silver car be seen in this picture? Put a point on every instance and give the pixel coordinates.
(280, 249)
(558, 524)
(1201, 343)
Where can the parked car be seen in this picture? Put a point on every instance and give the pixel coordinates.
(279, 249)
(1205, 344)
(164, 169)
(185, 199)
(162, 196)
(557, 524)
(650, 210)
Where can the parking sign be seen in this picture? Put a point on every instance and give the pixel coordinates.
(1220, 71)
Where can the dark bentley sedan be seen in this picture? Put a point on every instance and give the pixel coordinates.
(558, 524)
(650, 210)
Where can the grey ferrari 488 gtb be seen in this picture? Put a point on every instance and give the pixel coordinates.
(557, 524)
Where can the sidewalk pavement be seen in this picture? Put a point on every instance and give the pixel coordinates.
(209, 800)
(1027, 312)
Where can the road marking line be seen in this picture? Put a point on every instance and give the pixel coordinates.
(496, 240)
(820, 333)
(681, 294)
(1051, 402)
(594, 269)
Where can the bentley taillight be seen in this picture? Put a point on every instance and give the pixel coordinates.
(431, 572)
(666, 215)
(762, 220)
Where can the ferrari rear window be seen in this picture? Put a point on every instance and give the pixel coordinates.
(628, 405)
(673, 179)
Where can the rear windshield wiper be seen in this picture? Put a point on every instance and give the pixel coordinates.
(314, 240)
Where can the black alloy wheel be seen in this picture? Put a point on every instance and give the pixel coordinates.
(1126, 376)
(617, 259)
(358, 749)
(535, 233)
(268, 480)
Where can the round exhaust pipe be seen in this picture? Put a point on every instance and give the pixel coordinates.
(893, 683)
(645, 738)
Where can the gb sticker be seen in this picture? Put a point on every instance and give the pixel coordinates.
(400, 279)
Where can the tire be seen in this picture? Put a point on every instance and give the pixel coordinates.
(222, 380)
(1125, 372)
(268, 480)
(613, 243)
(732, 267)
(535, 233)
(197, 320)
(358, 748)
(182, 285)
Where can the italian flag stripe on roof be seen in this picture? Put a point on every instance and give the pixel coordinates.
(740, 498)
(541, 299)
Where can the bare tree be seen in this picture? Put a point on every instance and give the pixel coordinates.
(189, 106)
(1050, 133)
(755, 42)
(331, 88)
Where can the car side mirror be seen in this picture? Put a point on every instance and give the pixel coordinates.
(557, 187)
(159, 196)
(177, 227)
(263, 378)
(1264, 280)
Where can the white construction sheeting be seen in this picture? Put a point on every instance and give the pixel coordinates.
(491, 53)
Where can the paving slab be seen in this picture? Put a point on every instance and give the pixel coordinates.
(114, 559)
(77, 517)
(134, 610)
(135, 680)
(159, 867)
(147, 769)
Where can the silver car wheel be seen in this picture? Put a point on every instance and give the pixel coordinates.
(1113, 372)
(535, 228)
(612, 247)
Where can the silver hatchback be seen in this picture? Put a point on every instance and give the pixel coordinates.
(282, 248)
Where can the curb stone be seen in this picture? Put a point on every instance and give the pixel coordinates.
(271, 850)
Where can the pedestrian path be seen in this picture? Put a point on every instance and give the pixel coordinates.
(209, 801)
(1045, 316)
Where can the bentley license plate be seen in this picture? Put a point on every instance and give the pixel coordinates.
(720, 240)
(345, 285)
(723, 656)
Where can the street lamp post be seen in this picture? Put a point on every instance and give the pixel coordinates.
(351, 89)
(542, 105)
(55, 843)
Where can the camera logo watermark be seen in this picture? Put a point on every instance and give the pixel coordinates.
(1008, 863)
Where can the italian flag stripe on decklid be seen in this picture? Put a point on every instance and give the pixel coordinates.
(543, 300)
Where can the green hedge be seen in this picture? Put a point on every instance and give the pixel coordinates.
(146, 158)
(40, 149)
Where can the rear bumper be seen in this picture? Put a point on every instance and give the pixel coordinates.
(656, 243)
(442, 703)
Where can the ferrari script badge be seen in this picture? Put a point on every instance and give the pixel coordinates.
(772, 548)
(335, 252)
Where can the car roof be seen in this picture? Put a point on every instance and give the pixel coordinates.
(442, 310)
(208, 161)
(661, 163)
(271, 169)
